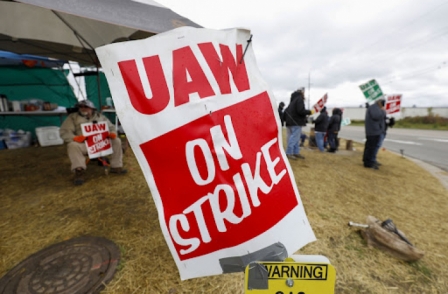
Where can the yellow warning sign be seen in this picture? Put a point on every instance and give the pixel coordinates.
(289, 278)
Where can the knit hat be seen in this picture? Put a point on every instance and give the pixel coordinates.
(87, 103)
(324, 109)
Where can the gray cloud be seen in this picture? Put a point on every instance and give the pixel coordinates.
(341, 44)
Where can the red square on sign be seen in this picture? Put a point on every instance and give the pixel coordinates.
(393, 106)
(230, 203)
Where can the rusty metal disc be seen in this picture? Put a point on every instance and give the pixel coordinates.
(79, 265)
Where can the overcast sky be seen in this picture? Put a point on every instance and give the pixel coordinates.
(403, 44)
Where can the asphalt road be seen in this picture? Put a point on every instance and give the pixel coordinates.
(426, 145)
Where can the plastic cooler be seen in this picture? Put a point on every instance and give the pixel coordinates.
(48, 136)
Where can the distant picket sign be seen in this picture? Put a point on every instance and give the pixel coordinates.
(97, 139)
(346, 121)
(393, 104)
(371, 90)
(321, 103)
(203, 125)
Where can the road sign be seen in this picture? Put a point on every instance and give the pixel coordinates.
(289, 278)
(371, 90)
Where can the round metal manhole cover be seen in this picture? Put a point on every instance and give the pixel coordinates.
(79, 265)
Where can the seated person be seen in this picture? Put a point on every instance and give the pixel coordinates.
(71, 133)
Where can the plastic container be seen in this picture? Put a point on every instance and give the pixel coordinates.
(2, 143)
(48, 136)
(18, 140)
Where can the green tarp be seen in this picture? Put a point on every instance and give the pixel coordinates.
(92, 92)
(24, 83)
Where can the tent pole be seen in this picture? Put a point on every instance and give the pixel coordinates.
(98, 82)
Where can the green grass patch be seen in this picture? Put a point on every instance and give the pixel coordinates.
(429, 122)
(421, 268)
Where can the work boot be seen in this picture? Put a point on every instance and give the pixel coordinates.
(299, 156)
(79, 177)
(290, 156)
(118, 170)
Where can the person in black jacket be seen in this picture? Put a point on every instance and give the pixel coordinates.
(320, 128)
(334, 126)
(295, 118)
(281, 106)
(375, 127)
(389, 122)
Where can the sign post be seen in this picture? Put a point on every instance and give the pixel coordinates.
(371, 90)
(204, 128)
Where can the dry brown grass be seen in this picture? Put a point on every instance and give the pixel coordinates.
(39, 207)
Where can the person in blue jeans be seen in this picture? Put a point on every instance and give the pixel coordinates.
(389, 122)
(295, 118)
(320, 128)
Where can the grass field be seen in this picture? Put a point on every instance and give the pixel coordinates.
(39, 207)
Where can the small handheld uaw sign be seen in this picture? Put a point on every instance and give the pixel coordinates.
(97, 139)
(320, 104)
(393, 104)
(204, 127)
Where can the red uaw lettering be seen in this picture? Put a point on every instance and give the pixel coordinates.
(101, 126)
(188, 77)
(88, 128)
(220, 68)
(157, 82)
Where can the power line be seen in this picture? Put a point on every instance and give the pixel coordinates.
(416, 43)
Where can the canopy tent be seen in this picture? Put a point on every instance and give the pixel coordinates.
(97, 94)
(21, 82)
(71, 30)
(10, 58)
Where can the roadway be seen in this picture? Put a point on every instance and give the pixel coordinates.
(425, 145)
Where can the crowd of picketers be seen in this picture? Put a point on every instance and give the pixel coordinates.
(326, 128)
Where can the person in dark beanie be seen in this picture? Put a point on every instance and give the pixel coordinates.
(295, 119)
(320, 128)
(334, 126)
(281, 107)
(374, 127)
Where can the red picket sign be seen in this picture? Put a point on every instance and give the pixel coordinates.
(202, 123)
